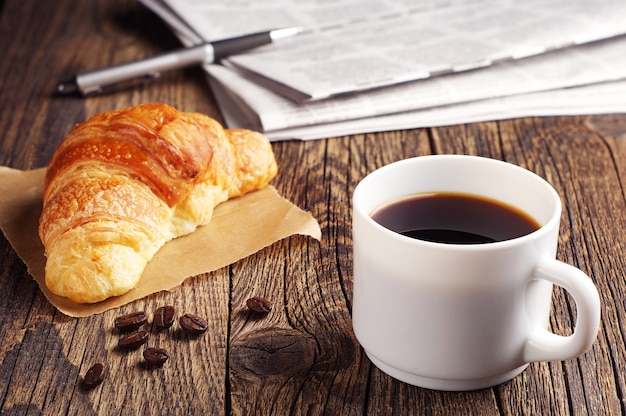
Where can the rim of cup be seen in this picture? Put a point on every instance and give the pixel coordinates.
(545, 226)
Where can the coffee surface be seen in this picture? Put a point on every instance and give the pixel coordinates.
(455, 218)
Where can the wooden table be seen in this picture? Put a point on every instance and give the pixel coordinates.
(303, 357)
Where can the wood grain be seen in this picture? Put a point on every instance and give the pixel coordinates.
(301, 358)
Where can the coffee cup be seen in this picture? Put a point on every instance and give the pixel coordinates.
(451, 314)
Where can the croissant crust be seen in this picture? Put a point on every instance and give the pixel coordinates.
(125, 182)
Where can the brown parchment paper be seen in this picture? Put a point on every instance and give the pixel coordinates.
(239, 228)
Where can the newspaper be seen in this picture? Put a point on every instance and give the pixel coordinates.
(356, 45)
(602, 98)
(503, 89)
(586, 64)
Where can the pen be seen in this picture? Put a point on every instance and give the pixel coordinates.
(99, 80)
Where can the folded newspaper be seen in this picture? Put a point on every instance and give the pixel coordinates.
(378, 65)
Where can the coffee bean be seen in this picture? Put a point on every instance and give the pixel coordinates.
(193, 324)
(259, 304)
(95, 375)
(134, 340)
(131, 321)
(164, 316)
(155, 355)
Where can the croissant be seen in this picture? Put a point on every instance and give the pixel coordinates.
(125, 182)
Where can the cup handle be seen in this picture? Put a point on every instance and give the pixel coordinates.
(543, 345)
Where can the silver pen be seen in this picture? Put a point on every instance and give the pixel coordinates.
(99, 80)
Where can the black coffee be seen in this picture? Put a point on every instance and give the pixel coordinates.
(455, 218)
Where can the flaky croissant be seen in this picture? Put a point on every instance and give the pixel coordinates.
(123, 183)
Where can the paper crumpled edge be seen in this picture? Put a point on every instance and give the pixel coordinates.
(239, 227)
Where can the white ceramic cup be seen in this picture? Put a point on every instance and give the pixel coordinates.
(463, 317)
